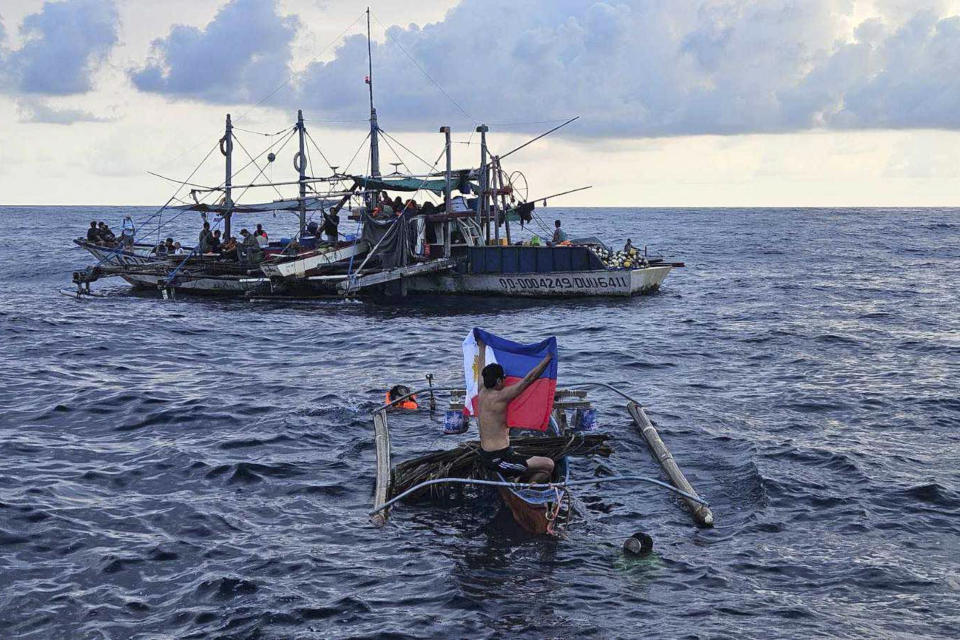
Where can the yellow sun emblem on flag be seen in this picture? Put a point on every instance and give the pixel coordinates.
(476, 366)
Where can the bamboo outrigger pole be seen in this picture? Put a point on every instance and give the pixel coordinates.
(701, 512)
(382, 439)
(546, 133)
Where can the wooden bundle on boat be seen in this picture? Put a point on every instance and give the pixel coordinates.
(464, 462)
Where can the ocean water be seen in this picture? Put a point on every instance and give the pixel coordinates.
(203, 469)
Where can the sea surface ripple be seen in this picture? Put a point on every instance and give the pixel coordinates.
(203, 469)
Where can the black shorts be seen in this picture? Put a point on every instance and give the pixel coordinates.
(505, 461)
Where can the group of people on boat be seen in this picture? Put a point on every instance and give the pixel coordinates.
(101, 235)
(387, 208)
(168, 248)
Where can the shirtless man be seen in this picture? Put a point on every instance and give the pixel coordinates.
(495, 450)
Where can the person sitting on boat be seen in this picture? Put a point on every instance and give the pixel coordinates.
(177, 249)
(331, 220)
(627, 248)
(204, 239)
(496, 454)
(559, 235)
(169, 247)
(385, 205)
(397, 205)
(228, 250)
(215, 243)
(261, 236)
(93, 234)
(106, 235)
(252, 252)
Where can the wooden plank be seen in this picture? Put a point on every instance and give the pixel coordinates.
(381, 277)
(700, 512)
(382, 439)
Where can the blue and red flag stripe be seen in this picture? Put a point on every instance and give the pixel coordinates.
(531, 410)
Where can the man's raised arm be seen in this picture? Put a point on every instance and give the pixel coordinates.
(511, 392)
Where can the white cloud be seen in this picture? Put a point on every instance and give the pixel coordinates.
(630, 67)
(63, 46)
(238, 57)
(32, 110)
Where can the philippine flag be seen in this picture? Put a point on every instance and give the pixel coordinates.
(532, 409)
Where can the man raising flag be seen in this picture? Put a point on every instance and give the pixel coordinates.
(508, 400)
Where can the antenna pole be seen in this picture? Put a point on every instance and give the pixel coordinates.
(302, 169)
(226, 147)
(374, 127)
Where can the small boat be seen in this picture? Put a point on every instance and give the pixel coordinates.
(539, 509)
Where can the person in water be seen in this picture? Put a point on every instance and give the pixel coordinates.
(496, 454)
(559, 235)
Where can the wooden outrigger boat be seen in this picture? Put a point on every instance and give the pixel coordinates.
(540, 509)
(464, 244)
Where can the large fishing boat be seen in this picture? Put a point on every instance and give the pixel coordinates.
(446, 231)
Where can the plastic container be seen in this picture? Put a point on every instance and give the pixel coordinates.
(585, 420)
(454, 422)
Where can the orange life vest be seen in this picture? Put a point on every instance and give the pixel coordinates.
(409, 403)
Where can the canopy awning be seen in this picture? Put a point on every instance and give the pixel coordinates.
(463, 180)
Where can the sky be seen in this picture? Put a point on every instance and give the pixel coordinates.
(680, 102)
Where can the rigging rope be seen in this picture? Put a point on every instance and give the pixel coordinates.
(424, 72)
(259, 170)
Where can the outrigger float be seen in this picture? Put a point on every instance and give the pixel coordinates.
(463, 244)
(544, 508)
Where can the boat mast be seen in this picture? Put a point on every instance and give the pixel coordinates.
(482, 210)
(446, 194)
(226, 147)
(302, 169)
(374, 127)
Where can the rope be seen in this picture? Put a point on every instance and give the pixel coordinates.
(259, 133)
(317, 147)
(424, 72)
(402, 146)
(259, 170)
